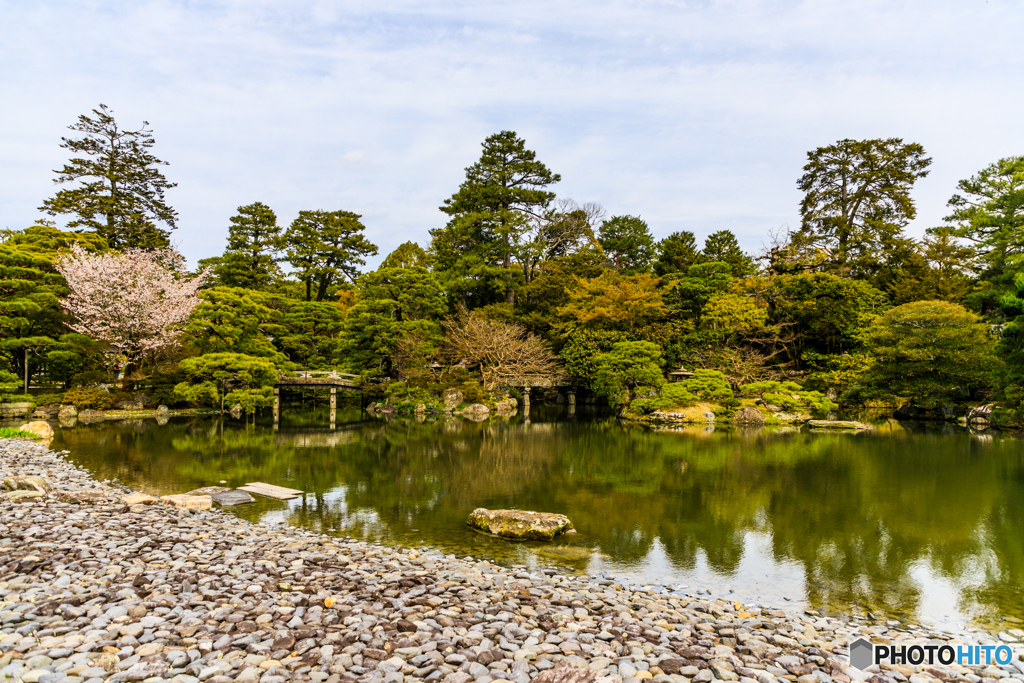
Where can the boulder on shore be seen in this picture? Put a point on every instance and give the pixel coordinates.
(520, 525)
(451, 399)
(750, 416)
(41, 429)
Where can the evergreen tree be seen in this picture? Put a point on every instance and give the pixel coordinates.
(254, 242)
(394, 324)
(676, 253)
(722, 247)
(988, 211)
(31, 321)
(857, 200)
(324, 247)
(491, 212)
(627, 241)
(121, 195)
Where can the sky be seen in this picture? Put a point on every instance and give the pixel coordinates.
(692, 115)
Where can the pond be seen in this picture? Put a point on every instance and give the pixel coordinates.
(924, 524)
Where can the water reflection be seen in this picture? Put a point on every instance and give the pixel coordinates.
(908, 521)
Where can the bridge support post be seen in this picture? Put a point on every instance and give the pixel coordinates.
(570, 397)
(526, 400)
(334, 405)
(277, 407)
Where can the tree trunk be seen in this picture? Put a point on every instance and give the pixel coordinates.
(26, 369)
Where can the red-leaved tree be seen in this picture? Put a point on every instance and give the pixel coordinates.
(135, 301)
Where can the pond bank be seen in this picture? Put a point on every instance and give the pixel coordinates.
(102, 590)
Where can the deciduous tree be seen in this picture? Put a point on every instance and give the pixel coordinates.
(504, 351)
(121, 188)
(135, 302)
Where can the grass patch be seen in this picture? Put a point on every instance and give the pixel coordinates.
(12, 433)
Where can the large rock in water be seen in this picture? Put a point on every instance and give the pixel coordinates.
(520, 525)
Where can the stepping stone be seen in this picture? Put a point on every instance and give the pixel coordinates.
(207, 490)
(232, 498)
(188, 502)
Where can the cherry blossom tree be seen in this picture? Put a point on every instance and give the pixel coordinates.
(135, 301)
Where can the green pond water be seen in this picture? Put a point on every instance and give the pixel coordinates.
(924, 524)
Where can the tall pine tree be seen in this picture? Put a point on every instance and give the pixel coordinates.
(121, 189)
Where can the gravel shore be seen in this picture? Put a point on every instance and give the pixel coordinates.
(92, 589)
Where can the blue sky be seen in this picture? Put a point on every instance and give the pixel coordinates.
(693, 115)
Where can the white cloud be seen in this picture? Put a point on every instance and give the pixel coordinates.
(694, 115)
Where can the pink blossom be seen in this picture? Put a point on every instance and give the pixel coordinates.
(135, 301)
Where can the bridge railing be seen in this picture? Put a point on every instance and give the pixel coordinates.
(318, 374)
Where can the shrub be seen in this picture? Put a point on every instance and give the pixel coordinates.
(788, 396)
(674, 395)
(709, 385)
(48, 399)
(90, 398)
(18, 398)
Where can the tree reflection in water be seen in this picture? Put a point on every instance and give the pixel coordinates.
(857, 515)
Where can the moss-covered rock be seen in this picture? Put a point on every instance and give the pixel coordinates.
(520, 525)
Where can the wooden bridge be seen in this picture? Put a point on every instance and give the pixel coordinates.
(342, 380)
(315, 378)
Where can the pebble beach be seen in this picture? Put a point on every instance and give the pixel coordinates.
(93, 588)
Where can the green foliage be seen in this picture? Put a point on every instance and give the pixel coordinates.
(12, 433)
(931, 352)
(857, 200)
(9, 382)
(722, 247)
(121, 195)
(251, 399)
(824, 312)
(490, 214)
(48, 399)
(708, 385)
(324, 247)
(223, 374)
(836, 371)
(312, 334)
(673, 395)
(538, 302)
(579, 355)
(232, 319)
(254, 241)
(627, 366)
(393, 328)
(687, 296)
(627, 241)
(17, 398)
(676, 253)
(788, 396)
(988, 211)
(30, 290)
(404, 397)
(1011, 348)
(90, 398)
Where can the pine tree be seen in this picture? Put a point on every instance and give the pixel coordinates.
(121, 195)
(254, 242)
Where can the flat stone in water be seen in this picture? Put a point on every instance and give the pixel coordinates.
(232, 497)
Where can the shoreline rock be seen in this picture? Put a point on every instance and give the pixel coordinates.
(95, 591)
